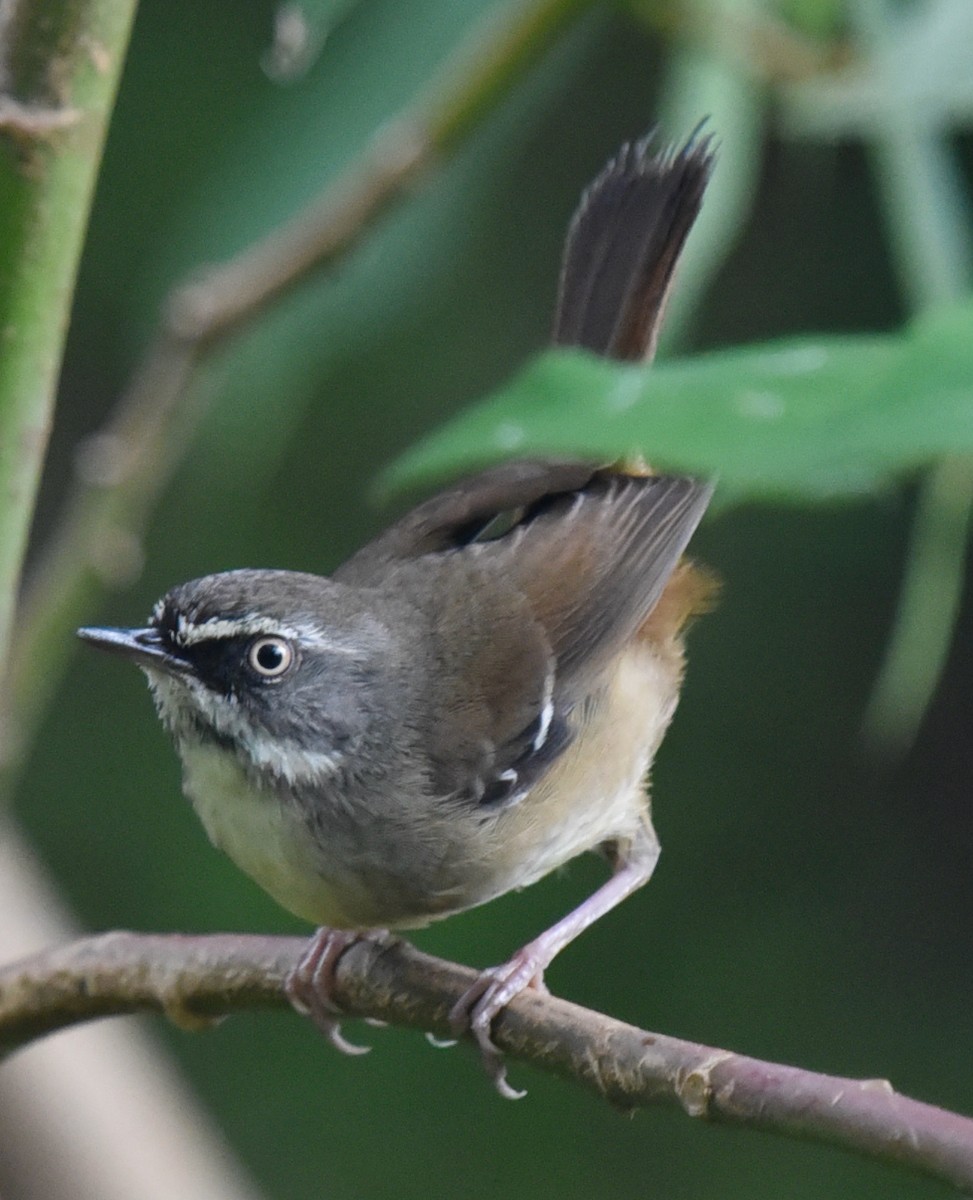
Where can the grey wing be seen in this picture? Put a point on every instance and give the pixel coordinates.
(489, 741)
(528, 620)
(594, 565)
(489, 688)
(457, 515)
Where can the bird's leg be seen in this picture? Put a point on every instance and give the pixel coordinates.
(497, 986)
(309, 986)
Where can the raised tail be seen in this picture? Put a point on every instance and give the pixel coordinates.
(622, 246)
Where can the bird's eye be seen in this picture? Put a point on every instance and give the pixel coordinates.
(270, 656)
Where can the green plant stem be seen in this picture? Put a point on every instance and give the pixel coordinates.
(124, 468)
(929, 228)
(709, 76)
(928, 605)
(60, 62)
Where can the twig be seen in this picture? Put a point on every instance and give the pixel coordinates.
(122, 470)
(194, 979)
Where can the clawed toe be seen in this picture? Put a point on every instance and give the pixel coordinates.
(309, 986)
(479, 1005)
(332, 1031)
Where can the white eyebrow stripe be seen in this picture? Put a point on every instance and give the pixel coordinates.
(252, 625)
(219, 628)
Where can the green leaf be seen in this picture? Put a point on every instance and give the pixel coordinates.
(819, 18)
(807, 417)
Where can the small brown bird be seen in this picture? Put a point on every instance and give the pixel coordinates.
(476, 696)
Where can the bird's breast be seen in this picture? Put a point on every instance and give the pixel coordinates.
(265, 837)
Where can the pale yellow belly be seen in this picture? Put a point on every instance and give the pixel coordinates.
(266, 840)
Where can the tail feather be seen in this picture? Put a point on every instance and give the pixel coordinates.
(622, 247)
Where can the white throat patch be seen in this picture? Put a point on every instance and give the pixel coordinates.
(183, 704)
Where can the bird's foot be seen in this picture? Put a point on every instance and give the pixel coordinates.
(310, 985)
(476, 1009)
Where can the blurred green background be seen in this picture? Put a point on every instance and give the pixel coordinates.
(813, 901)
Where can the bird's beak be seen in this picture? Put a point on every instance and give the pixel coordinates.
(145, 647)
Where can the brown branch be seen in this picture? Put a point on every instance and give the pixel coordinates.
(194, 979)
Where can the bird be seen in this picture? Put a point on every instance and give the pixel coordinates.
(476, 696)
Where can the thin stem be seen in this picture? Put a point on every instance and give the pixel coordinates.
(196, 979)
(710, 74)
(122, 470)
(468, 87)
(929, 225)
(928, 606)
(60, 62)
